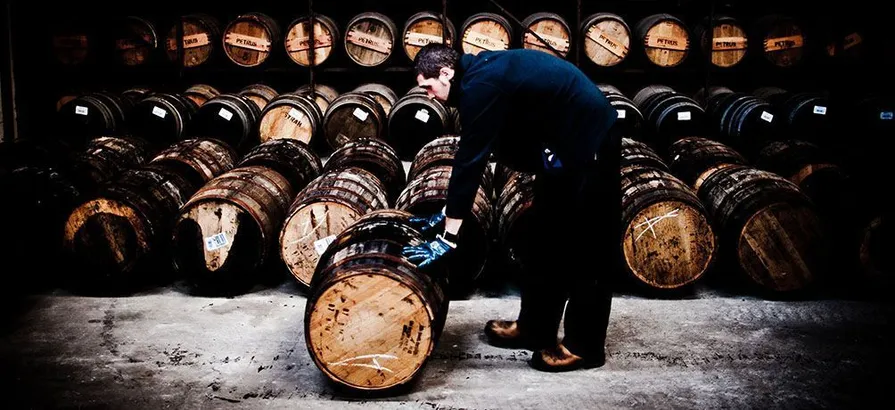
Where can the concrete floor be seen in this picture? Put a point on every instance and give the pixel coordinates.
(166, 349)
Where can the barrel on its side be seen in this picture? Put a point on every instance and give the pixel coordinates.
(441, 152)
(383, 94)
(425, 28)
(201, 36)
(200, 93)
(607, 39)
(322, 94)
(629, 119)
(486, 31)
(668, 241)
(104, 159)
(292, 159)
(394, 311)
(552, 28)
(291, 116)
(260, 94)
(95, 114)
(323, 210)
(694, 158)
(136, 40)
(669, 116)
(162, 118)
(665, 39)
(298, 40)
(638, 153)
(745, 122)
(351, 116)
(226, 234)
(375, 156)
(370, 39)
(231, 118)
(249, 39)
(198, 160)
(414, 121)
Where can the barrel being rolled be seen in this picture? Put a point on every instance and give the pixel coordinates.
(260, 94)
(373, 318)
(351, 116)
(414, 121)
(321, 211)
(425, 28)
(768, 227)
(197, 160)
(292, 159)
(201, 36)
(376, 157)
(162, 118)
(552, 29)
(723, 39)
(668, 241)
(427, 194)
(486, 31)
(298, 39)
(200, 93)
(607, 39)
(370, 39)
(694, 158)
(249, 39)
(226, 234)
(136, 40)
(290, 116)
(665, 39)
(231, 118)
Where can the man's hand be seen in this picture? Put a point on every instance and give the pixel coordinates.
(427, 253)
(425, 223)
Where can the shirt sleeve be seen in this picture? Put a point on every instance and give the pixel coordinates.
(482, 112)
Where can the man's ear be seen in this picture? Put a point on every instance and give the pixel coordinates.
(447, 73)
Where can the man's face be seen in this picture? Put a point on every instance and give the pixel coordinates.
(438, 88)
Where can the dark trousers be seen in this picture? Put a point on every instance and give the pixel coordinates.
(574, 251)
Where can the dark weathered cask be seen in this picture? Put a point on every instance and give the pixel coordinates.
(486, 31)
(425, 28)
(375, 156)
(514, 227)
(629, 119)
(201, 39)
(250, 39)
(383, 94)
(414, 121)
(607, 39)
(95, 114)
(136, 40)
(669, 116)
(393, 310)
(440, 152)
(162, 118)
(692, 158)
(370, 39)
(298, 39)
(743, 121)
(638, 153)
(293, 159)
(353, 115)
(198, 160)
(665, 39)
(231, 118)
(321, 211)
(226, 233)
(104, 158)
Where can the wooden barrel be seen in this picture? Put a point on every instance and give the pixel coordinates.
(486, 31)
(394, 311)
(136, 41)
(370, 39)
(427, 194)
(669, 115)
(353, 115)
(298, 39)
(426, 28)
(231, 118)
(668, 241)
(72, 43)
(125, 230)
(514, 225)
(743, 121)
(384, 95)
(665, 39)
(198, 160)
(767, 225)
(226, 233)
(414, 121)
(260, 94)
(552, 28)
(607, 39)
(809, 167)
(292, 159)
(638, 153)
(440, 152)
(201, 34)
(162, 118)
(692, 157)
(321, 211)
(710, 98)
(630, 120)
(324, 95)
(201, 93)
(780, 39)
(104, 158)
(375, 156)
(805, 114)
(726, 44)
(249, 39)
(290, 116)
(95, 114)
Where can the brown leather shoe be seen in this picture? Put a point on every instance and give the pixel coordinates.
(506, 334)
(560, 359)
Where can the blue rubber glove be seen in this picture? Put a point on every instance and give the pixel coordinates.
(427, 253)
(425, 223)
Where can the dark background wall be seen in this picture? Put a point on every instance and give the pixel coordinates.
(37, 92)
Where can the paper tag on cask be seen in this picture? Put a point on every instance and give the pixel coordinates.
(295, 116)
(783, 43)
(227, 115)
(683, 116)
(361, 114)
(304, 43)
(767, 116)
(321, 244)
(81, 110)
(249, 42)
(621, 114)
(820, 110)
(422, 115)
(215, 242)
(610, 43)
(480, 40)
(158, 112)
(886, 115)
(421, 39)
(371, 42)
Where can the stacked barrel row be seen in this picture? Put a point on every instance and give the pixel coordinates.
(372, 39)
(322, 118)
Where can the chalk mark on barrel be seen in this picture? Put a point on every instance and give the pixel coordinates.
(372, 357)
(650, 223)
(311, 222)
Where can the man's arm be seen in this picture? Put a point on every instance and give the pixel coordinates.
(482, 113)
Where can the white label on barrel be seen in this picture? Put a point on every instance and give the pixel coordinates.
(321, 245)
(227, 115)
(216, 242)
(621, 113)
(361, 114)
(80, 110)
(767, 116)
(676, 157)
(296, 115)
(886, 115)
(422, 114)
(683, 116)
(159, 112)
(819, 109)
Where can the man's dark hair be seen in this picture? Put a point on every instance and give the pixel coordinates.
(432, 57)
